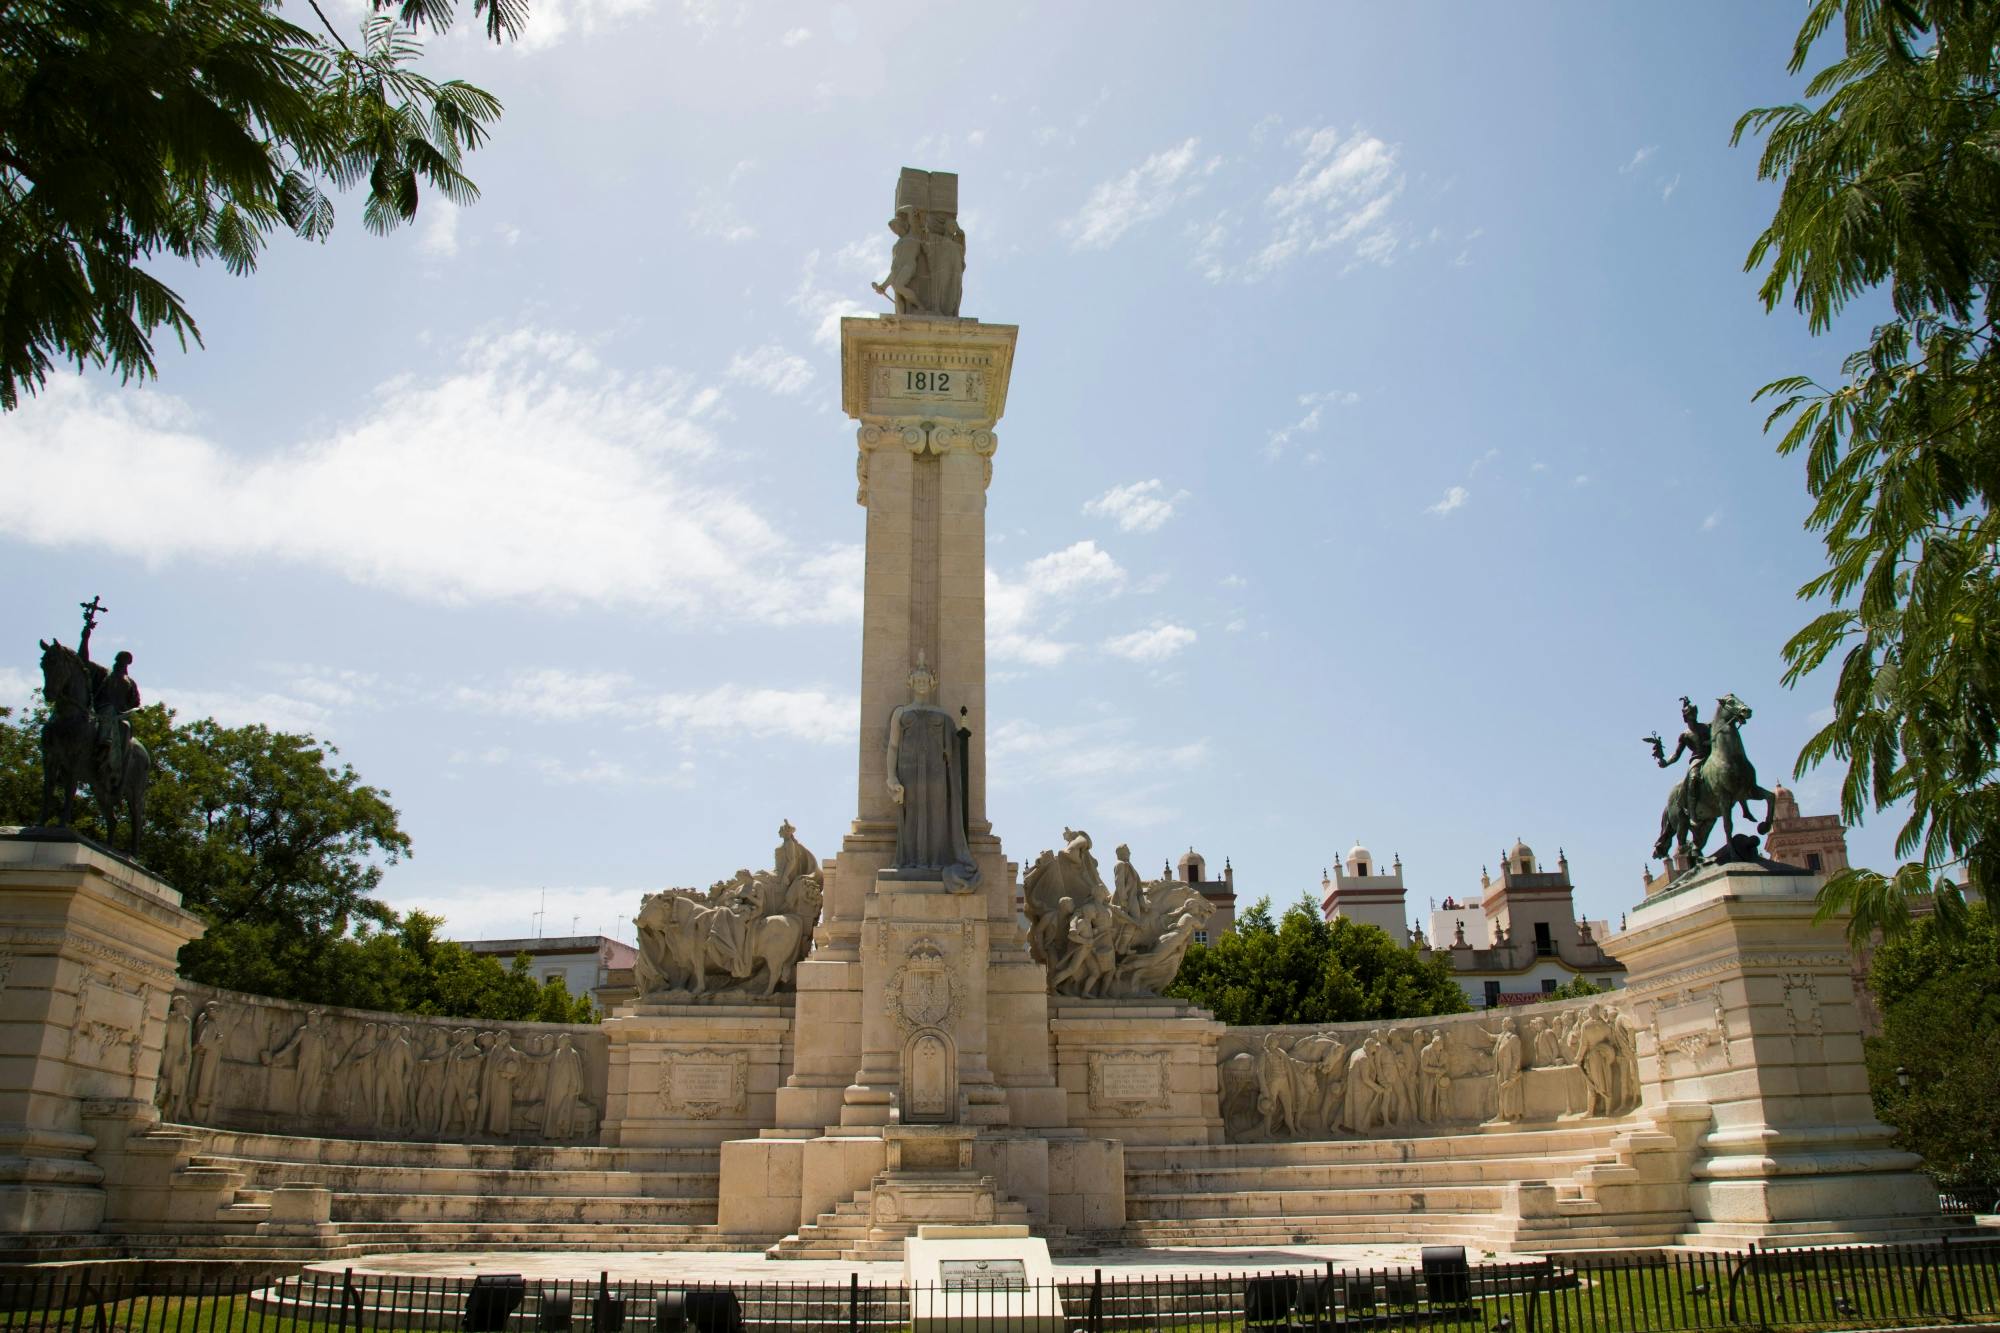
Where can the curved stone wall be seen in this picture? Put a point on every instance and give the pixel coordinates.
(1415, 1076)
(237, 1061)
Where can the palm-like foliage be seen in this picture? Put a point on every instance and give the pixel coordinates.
(131, 129)
(1891, 180)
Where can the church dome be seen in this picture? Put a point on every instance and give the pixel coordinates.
(1360, 861)
(1521, 858)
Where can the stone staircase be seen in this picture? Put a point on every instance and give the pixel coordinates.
(351, 1197)
(850, 1232)
(1563, 1187)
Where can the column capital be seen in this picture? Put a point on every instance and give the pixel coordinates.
(927, 368)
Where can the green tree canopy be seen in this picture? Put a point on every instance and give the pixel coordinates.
(1939, 993)
(1891, 187)
(1579, 988)
(1305, 969)
(136, 129)
(279, 849)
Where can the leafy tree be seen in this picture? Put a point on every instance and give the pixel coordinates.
(1891, 187)
(136, 129)
(279, 851)
(1309, 970)
(1579, 988)
(1939, 993)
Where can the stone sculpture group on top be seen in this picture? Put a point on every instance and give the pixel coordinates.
(747, 934)
(1098, 942)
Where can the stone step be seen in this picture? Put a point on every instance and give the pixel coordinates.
(1338, 1175)
(544, 1211)
(1313, 1203)
(344, 1177)
(1469, 1146)
(232, 1143)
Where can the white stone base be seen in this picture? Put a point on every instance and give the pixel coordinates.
(688, 1075)
(1140, 1071)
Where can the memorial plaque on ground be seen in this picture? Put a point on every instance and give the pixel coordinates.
(983, 1274)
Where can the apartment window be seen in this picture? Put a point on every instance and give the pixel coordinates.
(1545, 944)
(1201, 937)
(1492, 995)
(1812, 862)
(1548, 985)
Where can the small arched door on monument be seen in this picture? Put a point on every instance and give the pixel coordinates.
(929, 1094)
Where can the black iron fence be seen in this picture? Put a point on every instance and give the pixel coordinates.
(1863, 1287)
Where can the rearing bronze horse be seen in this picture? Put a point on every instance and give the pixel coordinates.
(1725, 780)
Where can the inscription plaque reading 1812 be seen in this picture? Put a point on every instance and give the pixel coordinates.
(983, 1274)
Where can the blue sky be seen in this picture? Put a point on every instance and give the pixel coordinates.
(1380, 461)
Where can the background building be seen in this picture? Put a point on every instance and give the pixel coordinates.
(1221, 893)
(1362, 890)
(584, 962)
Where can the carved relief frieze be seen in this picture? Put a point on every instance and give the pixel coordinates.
(1128, 1083)
(703, 1084)
(1802, 1004)
(108, 1016)
(925, 990)
(1692, 1026)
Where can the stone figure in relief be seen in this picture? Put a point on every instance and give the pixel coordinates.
(175, 1053)
(499, 1077)
(1277, 1088)
(563, 1092)
(1509, 1085)
(925, 782)
(751, 926)
(1546, 1044)
(1595, 1047)
(1362, 1108)
(308, 1052)
(1434, 1080)
(205, 1067)
(461, 1085)
(395, 1063)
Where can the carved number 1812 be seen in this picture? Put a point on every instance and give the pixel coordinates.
(927, 381)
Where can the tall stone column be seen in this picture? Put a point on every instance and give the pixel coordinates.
(88, 949)
(1746, 1006)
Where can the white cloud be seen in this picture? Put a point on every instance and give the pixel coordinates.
(529, 471)
(1638, 159)
(1667, 190)
(16, 687)
(1454, 498)
(1145, 192)
(1580, 479)
(553, 20)
(1712, 522)
(796, 37)
(1340, 194)
(438, 237)
(242, 708)
(1141, 507)
(1108, 770)
(714, 218)
(823, 307)
(555, 695)
(771, 368)
(1156, 643)
(1234, 581)
(1022, 614)
(1280, 439)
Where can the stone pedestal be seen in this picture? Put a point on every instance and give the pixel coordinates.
(692, 1074)
(1143, 1071)
(1746, 1005)
(88, 943)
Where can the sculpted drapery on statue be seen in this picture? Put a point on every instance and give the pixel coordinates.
(927, 265)
(754, 922)
(926, 783)
(1097, 943)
